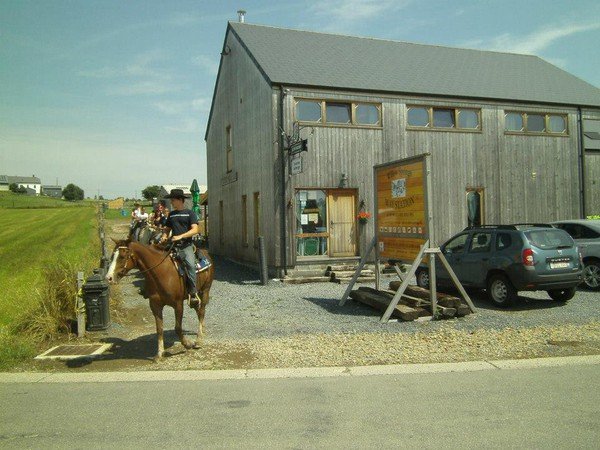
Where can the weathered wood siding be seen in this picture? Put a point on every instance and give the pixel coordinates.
(526, 178)
(243, 100)
(591, 122)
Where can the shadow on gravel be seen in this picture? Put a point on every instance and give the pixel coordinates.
(142, 348)
(524, 303)
(350, 308)
(228, 271)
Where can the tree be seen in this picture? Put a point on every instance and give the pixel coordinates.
(13, 187)
(72, 192)
(150, 192)
(21, 190)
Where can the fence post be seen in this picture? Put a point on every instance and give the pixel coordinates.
(80, 307)
(262, 261)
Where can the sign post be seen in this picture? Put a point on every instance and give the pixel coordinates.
(404, 225)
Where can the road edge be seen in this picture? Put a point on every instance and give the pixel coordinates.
(302, 372)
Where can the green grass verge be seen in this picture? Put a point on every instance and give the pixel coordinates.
(41, 250)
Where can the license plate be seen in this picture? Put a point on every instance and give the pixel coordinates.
(559, 265)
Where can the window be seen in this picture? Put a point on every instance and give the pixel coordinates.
(366, 114)
(229, 148)
(311, 222)
(256, 217)
(418, 117)
(338, 113)
(307, 111)
(557, 124)
(475, 207)
(444, 118)
(468, 119)
(456, 245)
(503, 241)
(513, 122)
(244, 221)
(521, 122)
(481, 242)
(535, 123)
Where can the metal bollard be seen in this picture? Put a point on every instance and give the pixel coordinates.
(262, 261)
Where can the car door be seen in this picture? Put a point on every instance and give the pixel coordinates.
(475, 261)
(454, 251)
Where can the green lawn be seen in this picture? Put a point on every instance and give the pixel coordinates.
(11, 200)
(32, 243)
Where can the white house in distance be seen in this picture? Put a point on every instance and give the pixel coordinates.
(31, 182)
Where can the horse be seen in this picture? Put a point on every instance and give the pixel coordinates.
(164, 286)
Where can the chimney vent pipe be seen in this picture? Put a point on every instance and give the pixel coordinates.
(241, 15)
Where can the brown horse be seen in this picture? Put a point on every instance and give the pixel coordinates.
(163, 285)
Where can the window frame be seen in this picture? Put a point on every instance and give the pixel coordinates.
(546, 115)
(353, 119)
(245, 220)
(229, 148)
(456, 115)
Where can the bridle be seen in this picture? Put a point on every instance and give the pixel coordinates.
(125, 269)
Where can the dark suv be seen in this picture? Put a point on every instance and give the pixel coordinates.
(505, 259)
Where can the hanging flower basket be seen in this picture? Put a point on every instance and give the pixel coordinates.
(363, 217)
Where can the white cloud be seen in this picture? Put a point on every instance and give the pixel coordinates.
(188, 125)
(532, 43)
(201, 104)
(211, 65)
(356, 10)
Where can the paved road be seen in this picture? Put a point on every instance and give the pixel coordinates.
(526, 408)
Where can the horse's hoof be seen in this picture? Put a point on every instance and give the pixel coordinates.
(188, 344)
(158, 358)
(196, 345)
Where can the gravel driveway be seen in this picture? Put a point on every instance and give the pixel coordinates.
(296, 325)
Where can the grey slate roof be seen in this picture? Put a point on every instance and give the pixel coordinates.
(7, 179)
(304, 58)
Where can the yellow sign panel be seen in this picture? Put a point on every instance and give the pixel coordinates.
(402, 225)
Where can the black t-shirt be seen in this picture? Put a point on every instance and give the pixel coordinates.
(181, 221)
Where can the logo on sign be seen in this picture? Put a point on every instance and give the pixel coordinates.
(399, 188)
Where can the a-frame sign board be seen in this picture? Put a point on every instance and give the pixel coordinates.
(404, 226)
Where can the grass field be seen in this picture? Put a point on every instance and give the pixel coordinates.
(11, 200)
(33, 243)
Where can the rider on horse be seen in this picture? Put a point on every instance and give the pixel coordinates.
(183, 223)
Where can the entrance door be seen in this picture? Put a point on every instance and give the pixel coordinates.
(342, 223)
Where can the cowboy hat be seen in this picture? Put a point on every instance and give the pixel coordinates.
(176, 193)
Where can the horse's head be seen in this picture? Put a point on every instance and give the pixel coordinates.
(123, 260)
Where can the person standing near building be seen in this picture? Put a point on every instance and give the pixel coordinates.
(183, 224)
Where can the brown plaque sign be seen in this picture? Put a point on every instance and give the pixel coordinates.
(402, 219)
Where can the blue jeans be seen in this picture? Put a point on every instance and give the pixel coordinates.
(188, 259)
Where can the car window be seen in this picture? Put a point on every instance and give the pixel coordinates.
(480, 242)
(503, 240)
(588, 233)
(456, 245)
(549, 238)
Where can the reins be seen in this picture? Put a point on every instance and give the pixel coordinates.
(161, 261)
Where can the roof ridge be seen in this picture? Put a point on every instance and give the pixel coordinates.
(371, 38)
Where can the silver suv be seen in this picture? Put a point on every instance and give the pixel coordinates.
(505, 259)
(586, 234)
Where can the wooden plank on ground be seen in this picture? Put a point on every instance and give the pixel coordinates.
(300, 280)
(446, 300)
(381, 303)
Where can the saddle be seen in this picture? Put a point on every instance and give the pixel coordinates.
(202, 263)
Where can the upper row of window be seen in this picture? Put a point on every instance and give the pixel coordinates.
(425, 117)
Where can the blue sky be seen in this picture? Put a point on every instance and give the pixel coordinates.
(114, 95)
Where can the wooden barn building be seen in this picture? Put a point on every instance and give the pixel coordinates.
(512, 138)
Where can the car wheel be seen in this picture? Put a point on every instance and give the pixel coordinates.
(591, 275)
(561, 295)
(423, 278)
(501, 291)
